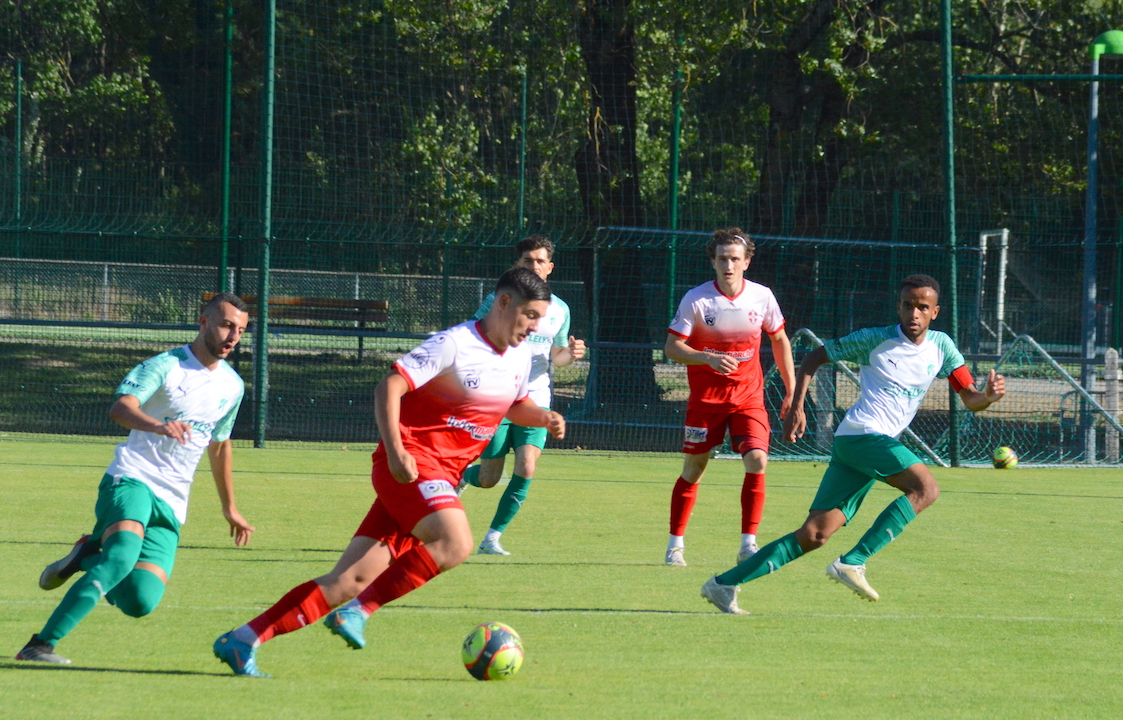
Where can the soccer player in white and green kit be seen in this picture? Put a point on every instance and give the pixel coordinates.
(898, 364)
(177, 405)
(551, 343)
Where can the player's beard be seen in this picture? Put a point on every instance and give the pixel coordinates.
(216, 348)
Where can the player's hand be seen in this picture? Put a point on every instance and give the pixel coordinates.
(555, 424)
(995, 387)
(576, 348)
(177, 429)
(723, 364)
(794, 424)
(785, 406)
(403, 466)
(240, 530)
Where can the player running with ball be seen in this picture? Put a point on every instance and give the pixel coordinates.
(436, 410)
(716, 333)
(898, 364)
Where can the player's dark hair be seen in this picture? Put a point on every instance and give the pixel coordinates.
(913, 282)
(534, 242)
(226, 297)
(730, 236)
(522, 284)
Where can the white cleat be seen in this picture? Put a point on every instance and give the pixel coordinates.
(491, 547)
(747, 551)
(723, 597)
(674, 557)
(853, 577)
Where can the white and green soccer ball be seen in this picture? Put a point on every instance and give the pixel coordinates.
(492, 651)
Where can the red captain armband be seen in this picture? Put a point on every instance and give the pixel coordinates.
(961, 378)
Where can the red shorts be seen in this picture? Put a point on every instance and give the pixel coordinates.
(705, 430)
(400, 506)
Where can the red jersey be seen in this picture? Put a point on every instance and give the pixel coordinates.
(711, 321)
(461, 387)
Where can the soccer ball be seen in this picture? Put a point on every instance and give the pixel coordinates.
(1004, 458)
(492, 651)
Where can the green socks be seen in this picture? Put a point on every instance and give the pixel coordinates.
(119, 554)
(513, 496)
(888, 525)
(768, 559)
(471, 475)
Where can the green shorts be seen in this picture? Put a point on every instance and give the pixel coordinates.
(857, 462)
(129, 499)
(509, 435)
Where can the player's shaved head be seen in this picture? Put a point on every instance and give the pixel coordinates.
(917, 281)
(522, 284)
(730, 236)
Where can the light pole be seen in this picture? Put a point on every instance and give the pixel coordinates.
(1109, 44)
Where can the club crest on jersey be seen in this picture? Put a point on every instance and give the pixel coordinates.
(709, 318)
(472, 380)
(755, 318)
(417, 358)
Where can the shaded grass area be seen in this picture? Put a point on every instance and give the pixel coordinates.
(999, 602)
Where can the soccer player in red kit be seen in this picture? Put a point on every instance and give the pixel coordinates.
(716, 333)
(436, 410)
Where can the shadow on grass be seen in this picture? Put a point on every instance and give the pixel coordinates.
(544, 611)
(73, 668)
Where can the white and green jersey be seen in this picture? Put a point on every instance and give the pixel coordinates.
(895, 375)
(552, 332)
(174, 385)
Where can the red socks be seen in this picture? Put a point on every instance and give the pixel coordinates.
(682, 503)
(752, 502)
(303, 605)
(407, 573)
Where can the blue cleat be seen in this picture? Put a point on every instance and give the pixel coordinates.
(238, 655)
(348, 623)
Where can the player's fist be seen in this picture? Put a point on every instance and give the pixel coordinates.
(576, 348)
(403, 466)
(794, 424)
(555, 424)
(723, 364)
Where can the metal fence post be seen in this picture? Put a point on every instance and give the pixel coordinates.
(1111, 404)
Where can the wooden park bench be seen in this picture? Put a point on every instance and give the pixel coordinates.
(335, 310)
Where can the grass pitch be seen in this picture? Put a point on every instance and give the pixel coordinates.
(1001, 601)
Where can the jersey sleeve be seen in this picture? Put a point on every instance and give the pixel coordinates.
(683, 322)
(144, 379)
(953, 359)
(773, 321)
(857, 346)
(561, 340)
(485, 307)
(225, 427)
(427, 360)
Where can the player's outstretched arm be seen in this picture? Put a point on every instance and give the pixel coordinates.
(528, 414)
(795, 424)
(676, 349)
(221, 455)
(126, 412)
(388, 414)
(993, 391)
(785, 365)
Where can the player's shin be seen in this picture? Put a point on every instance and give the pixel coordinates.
(408, 572)
(119, 555)
(683, 498)
(303, 605)
(512, 501)
(769, 559)
(888, 525)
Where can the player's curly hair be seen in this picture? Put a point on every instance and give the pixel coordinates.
(534, 242)
(920, 280)
(730, 236)
(523, 283)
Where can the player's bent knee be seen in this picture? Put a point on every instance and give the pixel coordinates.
(811, 538)
(138, 594)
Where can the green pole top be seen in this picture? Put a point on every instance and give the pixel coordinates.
(1110, 43)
